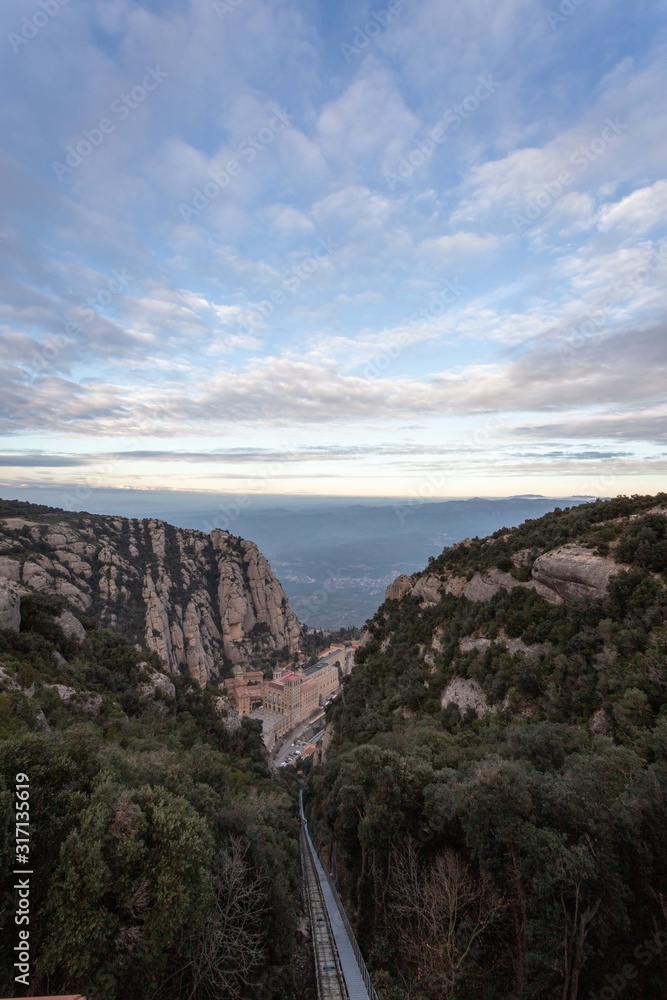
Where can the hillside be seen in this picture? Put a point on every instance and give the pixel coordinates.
(494, 794)
(201, 602)
(162, 857)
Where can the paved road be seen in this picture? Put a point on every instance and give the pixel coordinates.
(285, 748)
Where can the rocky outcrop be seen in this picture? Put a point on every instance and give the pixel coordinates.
(86, 701)
(483, 586)
(401, 586)
(600, 723)
(71, 626)
(513, 646)
(194, 599)
(10, 609)
(427, 589)
(9, 569)
(465, 694)
(573, 572)
(568, 573)
(251, 600)
(153, 682)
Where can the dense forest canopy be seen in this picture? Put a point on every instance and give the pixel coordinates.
(517, 850)
(164, 856)
(492, 802)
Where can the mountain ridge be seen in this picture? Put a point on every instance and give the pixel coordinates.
(496, 765)
(201, 602)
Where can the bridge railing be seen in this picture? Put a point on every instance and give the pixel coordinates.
(341, 909)
(353, 940)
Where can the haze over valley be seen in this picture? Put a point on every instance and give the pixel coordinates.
(335, 557)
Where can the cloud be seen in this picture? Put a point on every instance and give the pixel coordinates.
(574, 456)
(640, 211)
(450, 249)
(289, 219)
(369, 123)
(560, 324)
(628, 370)
(40, 460)
(610, 141)
(649, 425)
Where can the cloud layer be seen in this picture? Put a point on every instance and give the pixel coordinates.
(229, 228)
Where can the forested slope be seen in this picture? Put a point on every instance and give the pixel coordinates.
(163, 857)
(494, 795)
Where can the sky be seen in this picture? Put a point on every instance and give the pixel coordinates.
(405, 248)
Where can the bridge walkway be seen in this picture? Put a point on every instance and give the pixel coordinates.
(339, 962)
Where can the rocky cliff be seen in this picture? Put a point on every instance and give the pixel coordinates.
(491, 620)
(197, 600)
(567, 573)
(508, 709)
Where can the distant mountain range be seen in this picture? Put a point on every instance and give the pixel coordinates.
(334, 556)
(336, 561)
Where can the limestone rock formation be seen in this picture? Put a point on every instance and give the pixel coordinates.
(71, 626)
(427, 589)
(86, 702)
(512, 645)
(251, 600)
(10, 610)
(568, 573)
(465, 694)
(401, 586)
(155, 681)
(573, 572)
(192, 598)
(483, 586)
(600, 723)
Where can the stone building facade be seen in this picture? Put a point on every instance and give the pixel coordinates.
(291, 696)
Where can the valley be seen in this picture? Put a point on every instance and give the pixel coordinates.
(489, 756)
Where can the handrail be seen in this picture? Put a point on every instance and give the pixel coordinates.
(306, 852)
(341, 909)
(353, 941)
